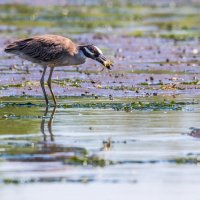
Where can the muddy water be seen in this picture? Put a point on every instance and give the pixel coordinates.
(129, 133)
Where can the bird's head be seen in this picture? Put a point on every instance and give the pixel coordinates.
(95, 53)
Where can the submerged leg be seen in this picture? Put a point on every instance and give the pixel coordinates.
(51, 122)
(43, 123)
(49, 84)
(42, 85)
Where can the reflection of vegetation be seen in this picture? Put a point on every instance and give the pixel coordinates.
(18, 120)
(97, 162)
(46, 152)
(41, 152)
(36, 149)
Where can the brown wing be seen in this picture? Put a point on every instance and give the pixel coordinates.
(45, 48)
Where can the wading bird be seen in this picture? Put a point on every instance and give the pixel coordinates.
(52, 51)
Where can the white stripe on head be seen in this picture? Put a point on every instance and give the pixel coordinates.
(88, 51)
(99, 50)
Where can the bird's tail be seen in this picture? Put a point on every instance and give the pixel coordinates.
(17, 45)
(11, 48)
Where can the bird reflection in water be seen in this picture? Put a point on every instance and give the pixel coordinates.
(107, 145)
(49, 123)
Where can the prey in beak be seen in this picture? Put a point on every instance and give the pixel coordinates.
(106, 63)
(95, 53)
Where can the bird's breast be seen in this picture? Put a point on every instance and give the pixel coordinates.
(76, 59)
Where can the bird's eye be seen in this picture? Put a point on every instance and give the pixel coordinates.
(95, 50)
(92, 50)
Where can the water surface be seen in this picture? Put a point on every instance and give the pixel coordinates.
(98, 146)
(128, 133)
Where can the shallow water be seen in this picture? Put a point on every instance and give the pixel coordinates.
(97, 143)
(98, 146)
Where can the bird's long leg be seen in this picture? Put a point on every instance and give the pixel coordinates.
(42, 85)
(49, 84)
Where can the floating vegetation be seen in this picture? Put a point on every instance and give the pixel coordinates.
(112, 105)
(132, 106)
(187, 160)
(197, 82)
(176, 36)
(94, 162)
(73, 83)
(63, 179)
(87, 161)
(179, 160)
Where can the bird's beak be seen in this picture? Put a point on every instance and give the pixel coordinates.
(103, 60)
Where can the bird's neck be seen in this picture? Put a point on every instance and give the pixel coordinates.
(81, 50)
(80, 55)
